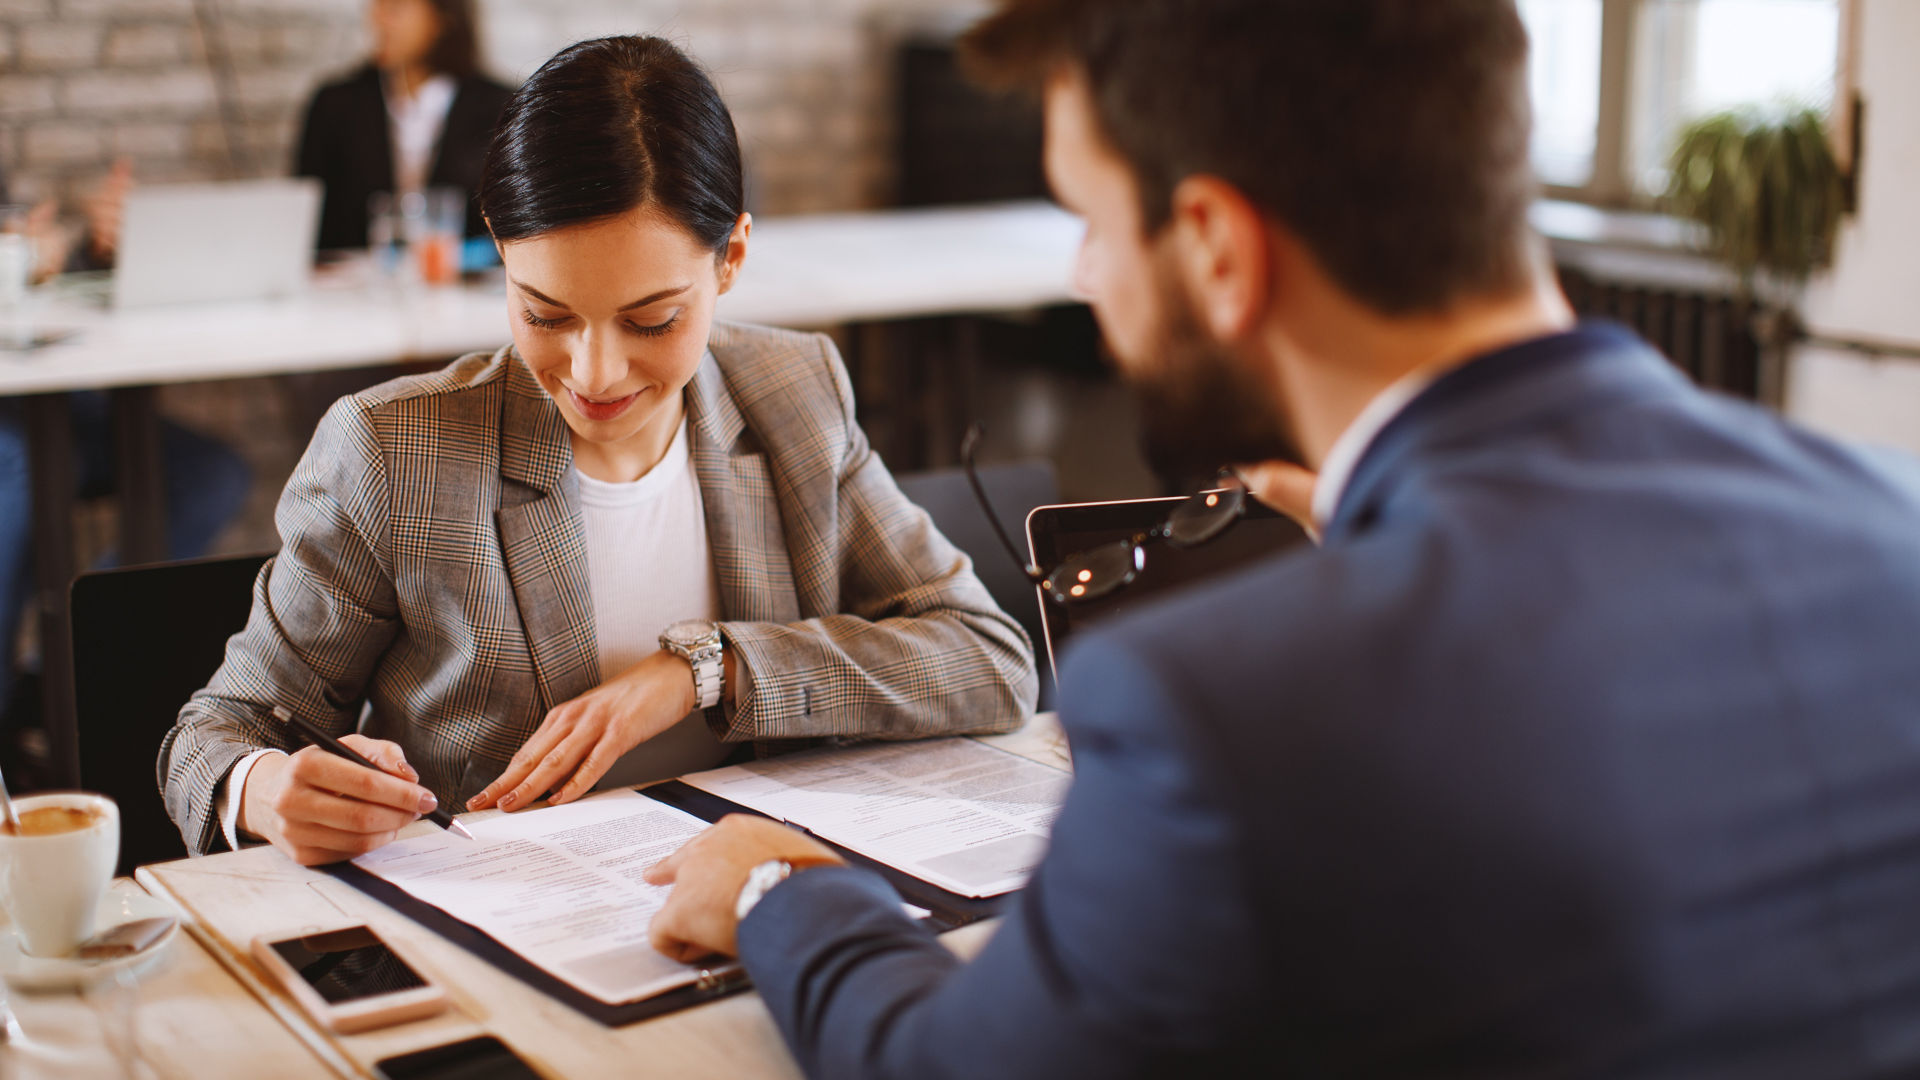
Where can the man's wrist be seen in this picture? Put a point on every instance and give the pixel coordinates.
(765, 876)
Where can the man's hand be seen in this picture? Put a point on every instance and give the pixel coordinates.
(706, 875)
(1285, 487)
(318, 808)
(581, 739)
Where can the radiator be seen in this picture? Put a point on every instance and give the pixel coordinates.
(1707, 335)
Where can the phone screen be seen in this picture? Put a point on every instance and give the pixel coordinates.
(474, 1059)
(347, 965)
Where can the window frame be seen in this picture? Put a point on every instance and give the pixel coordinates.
(1610, 186)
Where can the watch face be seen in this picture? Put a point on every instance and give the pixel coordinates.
(692, 634)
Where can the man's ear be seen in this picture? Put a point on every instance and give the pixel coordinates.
(735, 256)
(1221, 248)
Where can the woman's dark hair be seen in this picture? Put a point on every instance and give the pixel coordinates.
(457, 51)
(608, 126)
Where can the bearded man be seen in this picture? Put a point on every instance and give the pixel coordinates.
(1586, 742)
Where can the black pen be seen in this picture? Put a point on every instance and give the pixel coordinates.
(331, 745)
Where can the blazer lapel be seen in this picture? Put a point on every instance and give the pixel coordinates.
(744, 532)
(379, 132)
(542, 541)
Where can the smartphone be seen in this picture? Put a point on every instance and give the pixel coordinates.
(348, 980)
(484, 1058)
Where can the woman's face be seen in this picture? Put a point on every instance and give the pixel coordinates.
(612, 317)
(404, 32)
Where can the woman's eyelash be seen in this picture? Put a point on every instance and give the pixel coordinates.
(644, 331)
(656, 331)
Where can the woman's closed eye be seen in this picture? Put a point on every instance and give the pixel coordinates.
(653, 330)
(657, 329)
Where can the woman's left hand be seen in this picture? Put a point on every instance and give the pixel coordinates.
(580, 739)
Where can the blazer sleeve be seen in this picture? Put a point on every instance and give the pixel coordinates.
(919, 647)
(1128, 954)
(324, 612)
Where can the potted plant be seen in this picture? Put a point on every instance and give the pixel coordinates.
(1768, 194)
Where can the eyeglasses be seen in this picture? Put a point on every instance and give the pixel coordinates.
(1100, 570)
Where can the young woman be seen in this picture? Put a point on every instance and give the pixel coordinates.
(632, 540)
(417, 115)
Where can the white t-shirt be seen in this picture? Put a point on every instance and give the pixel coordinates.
(648, 567)
(414, 124)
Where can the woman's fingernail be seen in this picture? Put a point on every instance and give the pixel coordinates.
(411, 775)
(506, 800)
(428, 802)
(474, 803)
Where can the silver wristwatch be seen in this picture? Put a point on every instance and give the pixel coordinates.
(698, 642)
(760, 881)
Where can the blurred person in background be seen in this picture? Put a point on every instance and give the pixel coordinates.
(418, 115)
(206, 480)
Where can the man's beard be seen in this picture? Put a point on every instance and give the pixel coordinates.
(1199, 407)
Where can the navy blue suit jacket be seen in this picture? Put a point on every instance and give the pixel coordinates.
(1587, 744)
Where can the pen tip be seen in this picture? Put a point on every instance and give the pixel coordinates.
(459, 830)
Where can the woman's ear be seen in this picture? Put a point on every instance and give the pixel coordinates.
(732, 259)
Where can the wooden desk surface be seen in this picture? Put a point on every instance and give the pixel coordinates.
(235, 896)
(192, 1022)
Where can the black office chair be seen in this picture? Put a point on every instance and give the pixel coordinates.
(1014, 489)
(144, 639)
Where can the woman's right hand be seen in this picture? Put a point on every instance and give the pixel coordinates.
(318, 808)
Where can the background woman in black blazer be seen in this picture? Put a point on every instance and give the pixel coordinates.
(421, 90)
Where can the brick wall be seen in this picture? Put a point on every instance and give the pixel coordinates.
(83, 82)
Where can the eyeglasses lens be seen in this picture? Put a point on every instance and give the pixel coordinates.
(1096, 572)
(1205, 515)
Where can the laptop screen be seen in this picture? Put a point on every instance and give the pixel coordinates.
(1055, 532)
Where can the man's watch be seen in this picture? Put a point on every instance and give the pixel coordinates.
(698, 642)
(760, 881)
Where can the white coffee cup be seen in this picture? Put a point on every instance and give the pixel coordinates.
(51, 885)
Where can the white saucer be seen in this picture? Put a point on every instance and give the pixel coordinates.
(23, 972)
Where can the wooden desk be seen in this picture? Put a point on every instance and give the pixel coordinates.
(234, 896)
(192, 1022)
(809, 271)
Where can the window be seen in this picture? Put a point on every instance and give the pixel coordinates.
(1614, 81)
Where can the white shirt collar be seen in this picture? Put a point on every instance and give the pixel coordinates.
(1352, 444)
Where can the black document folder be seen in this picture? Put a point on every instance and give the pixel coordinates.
(948, 910)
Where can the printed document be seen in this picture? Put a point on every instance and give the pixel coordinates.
(560, 885)
(970, 818)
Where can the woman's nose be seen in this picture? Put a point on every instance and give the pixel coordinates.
(597, 363)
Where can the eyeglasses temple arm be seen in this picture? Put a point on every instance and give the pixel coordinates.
(967, 447)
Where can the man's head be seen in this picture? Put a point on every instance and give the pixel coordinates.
(1245, 164)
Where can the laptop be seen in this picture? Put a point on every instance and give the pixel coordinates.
(1057, 531)
(202, 243)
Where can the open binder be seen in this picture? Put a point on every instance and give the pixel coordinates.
(947, 911)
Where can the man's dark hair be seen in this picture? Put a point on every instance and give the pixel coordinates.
(456, 51)
(606, 127)
(1389, 135)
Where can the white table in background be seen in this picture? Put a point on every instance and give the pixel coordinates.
(810, 271)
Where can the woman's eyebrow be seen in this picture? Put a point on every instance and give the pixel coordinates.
(653, 298)
(657, 297)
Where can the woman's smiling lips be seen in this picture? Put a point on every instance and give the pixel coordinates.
(608, 409)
